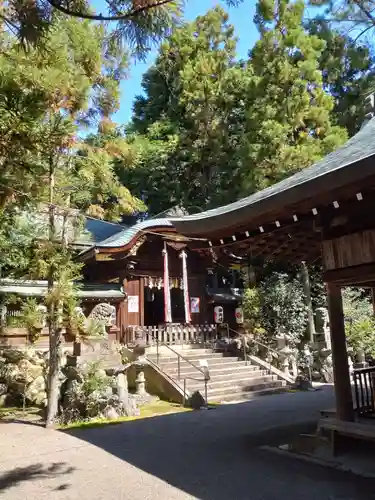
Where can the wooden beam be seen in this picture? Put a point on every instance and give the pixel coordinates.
(351, 275)
(343, 392)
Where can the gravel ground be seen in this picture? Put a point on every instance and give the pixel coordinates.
(209, 455)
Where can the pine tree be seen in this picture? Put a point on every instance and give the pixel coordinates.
(288, 111)
(70, 76)
(138, 23)
(348, 70)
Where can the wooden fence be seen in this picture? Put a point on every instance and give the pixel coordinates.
(364, 389)
(172, 334)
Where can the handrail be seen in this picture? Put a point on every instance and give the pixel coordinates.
(256, 341)
(180, 356)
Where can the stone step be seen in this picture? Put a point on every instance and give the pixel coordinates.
(191, 357)
(223, 393)
(226, 371)
(187, 351)
(212, 364)
(231, 379)
(255, 380)
(245, 395)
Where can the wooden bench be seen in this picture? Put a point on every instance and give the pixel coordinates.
(339, 430)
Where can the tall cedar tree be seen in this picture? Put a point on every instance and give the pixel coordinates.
(192, 108)
(288, 111)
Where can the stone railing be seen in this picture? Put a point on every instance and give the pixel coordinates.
(172, 334)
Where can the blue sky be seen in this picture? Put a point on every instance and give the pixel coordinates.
(241, 17)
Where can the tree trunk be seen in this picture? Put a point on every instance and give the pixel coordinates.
(54, 328)
(308, 301)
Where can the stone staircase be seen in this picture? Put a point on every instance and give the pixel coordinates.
(231, 379)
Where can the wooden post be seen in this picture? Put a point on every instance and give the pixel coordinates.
(343, 391)
(308, 301)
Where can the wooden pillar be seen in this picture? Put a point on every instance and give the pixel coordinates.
(343, 392)
(308, 301)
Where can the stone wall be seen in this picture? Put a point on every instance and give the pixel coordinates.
(23, 377)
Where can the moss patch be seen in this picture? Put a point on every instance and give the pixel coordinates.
(146, 411)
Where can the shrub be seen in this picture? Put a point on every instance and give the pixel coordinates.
(359, 321)
(283, 307)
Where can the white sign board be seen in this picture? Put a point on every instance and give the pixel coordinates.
(133, 303)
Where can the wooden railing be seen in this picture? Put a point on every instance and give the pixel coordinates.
(172, 334)
(364, 387)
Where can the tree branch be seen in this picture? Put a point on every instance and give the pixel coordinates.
(365, 11)
(100, 17)
(363, 32)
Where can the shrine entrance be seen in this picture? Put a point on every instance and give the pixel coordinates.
(154, 306)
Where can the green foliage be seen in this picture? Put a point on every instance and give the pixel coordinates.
(318, 289)
(71, 77)
(288, 111)
(17, 237)
(359, 321)
(191, 117)
(252, 307)
(283, 307)
(84, 400)
(95, 379)
(32, 318)
(349, 15)
(97, 187)
(209, 129)
(348, 70)
(138, 23)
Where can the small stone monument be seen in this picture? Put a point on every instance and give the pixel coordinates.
(322, 368)
(140, 364)
(322, 337)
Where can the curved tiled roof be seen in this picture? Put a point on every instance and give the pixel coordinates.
(333, 171)
(123, 238)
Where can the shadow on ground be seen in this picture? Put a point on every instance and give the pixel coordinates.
(214, 454)
(14, 477)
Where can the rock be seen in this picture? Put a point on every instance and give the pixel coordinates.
(13, 355)
(302, 384)
(36, 358)
(29, 370)
(3, 373)
(110, 413)
(36, 392)
(131, 409)
(3, 389)
(100, 373)
(108, 392)
(197, 401)
(17, 387)
(4, 400)
(12, 373)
